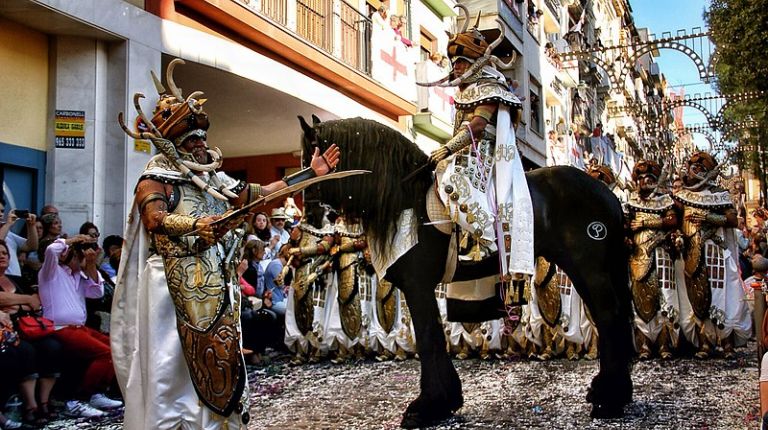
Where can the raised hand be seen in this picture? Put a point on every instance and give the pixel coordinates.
(326, 162)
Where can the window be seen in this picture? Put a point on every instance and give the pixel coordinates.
(428, 44)
(534, 98)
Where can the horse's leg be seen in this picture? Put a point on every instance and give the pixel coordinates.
(606, 294)
(417, 274)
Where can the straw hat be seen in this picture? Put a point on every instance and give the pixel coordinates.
(279, 213)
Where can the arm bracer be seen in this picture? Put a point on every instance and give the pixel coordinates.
(176, 225)
(716, 219)
(461, 140)
(254, 192)
(655, 223)
(301, 175)
(151, 197)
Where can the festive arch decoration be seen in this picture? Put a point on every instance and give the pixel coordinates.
(592, 57)
(706, 72)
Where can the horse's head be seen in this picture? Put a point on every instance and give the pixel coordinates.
(377, 198)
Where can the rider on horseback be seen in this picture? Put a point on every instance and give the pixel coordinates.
(482, 157)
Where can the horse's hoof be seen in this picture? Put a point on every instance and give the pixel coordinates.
(607, 411)
(413, 419)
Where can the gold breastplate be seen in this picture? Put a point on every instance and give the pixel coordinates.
(199, 282)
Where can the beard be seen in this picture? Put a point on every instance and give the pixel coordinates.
(200, 155)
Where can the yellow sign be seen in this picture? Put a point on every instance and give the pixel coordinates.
(142, 146)
(69, 129)
(70, 124)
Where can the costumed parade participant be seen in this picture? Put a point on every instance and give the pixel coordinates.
(311, 243)
(712, 283)
(481, 182)
(175, 329)
(652, 220)
(480, 174)
(350, 311)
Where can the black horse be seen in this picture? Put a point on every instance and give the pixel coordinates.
(578, 226)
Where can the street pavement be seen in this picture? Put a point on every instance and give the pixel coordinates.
(521, 394)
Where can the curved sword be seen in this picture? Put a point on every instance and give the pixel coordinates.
(281, 193)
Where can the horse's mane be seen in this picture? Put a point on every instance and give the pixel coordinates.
(377, 198)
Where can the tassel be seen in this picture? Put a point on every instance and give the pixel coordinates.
(464, 240)
(476, 254)
(508, 296)
(198, 274)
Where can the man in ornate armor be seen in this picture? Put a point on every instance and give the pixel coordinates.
(353, 286)
(482, 157)
(311, 242)
(652, 218)
(186, 302)
(712, 281)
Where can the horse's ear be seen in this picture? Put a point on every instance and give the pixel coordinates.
(315, 120)
(309, 132)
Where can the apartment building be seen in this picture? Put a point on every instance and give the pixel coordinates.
(69, 67)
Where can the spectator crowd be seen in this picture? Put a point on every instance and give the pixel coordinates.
(55, 298)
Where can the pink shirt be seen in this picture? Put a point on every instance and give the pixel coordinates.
(63, 292)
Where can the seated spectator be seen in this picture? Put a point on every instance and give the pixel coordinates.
(15, 242)
(276, 293)
(113, 247)
(261, 326)
(263, 232)
(69, 275)
(254, 272)
(278, 220)
(51, 231)
(38, 359)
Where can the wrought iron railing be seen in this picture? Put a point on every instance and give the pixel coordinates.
(276, 10)
(314, 22)
(355, 38)
(345, 35)
(554, 7)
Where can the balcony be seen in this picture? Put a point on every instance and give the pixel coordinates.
(435, 104)
(333, 26)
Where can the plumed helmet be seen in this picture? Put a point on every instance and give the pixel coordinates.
(646, 166)
(703, 158)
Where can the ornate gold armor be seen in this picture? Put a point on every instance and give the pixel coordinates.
(306, 275)
(352, 277)
(644, 277)
(547, 292)
(697, 280)
(386, 304)
(203, 285)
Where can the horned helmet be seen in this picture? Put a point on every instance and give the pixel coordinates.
(175, 119)
(643, 168)
(471, 45)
